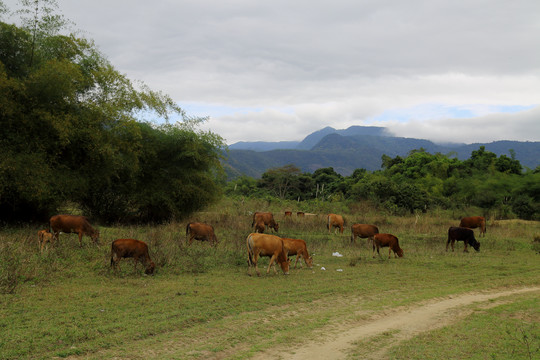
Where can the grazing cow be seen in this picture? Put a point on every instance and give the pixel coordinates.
(266, 245)
(202, 232)
(297, 247)
(387, 240)
(267, 218)
(335, 221)
(462, 234)
(131, 248)
(73, 224)
(363, 231)
(44, 238)
(288, 213)
(473, 222)
(300, 213)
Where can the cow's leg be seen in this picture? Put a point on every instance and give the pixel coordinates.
(272, 259)
(465, 247)
(80, 239)
(373, 249)
(298, 257)
(255, 261)
(191, 237)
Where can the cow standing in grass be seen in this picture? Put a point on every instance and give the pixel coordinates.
(335, 221)
(73, 224)
(462, 234)
(473, 222)
(297, 247)
(266, 245)
(267, 218)
(387, 240)
(363, 231)
(131, 248)
(44, 238)
(201, 232)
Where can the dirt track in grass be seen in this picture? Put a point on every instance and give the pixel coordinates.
(403, 325)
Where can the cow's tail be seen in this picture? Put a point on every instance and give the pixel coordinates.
(250, 250)
(187, 229)
(328, 222)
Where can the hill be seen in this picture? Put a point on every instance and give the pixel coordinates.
(360, 147)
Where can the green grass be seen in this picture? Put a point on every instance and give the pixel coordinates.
(201, 303)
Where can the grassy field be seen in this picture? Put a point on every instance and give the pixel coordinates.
(200, 304)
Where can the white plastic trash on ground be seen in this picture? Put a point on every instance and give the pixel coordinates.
(337, 254)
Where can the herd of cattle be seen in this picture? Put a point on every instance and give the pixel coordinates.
(279, 249)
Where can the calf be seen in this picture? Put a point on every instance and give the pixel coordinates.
(297, 247)
(462, 234)
(131, 248)
(387, 240)
(73, 224)
(363, 231)
(259, 227)
(335, 221)
(473, 222)
(44, 238)
(202, 232)
(266, 245)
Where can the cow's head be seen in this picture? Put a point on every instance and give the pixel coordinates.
(276, 227)
(309, 262)
(400, 252)
(476, 246)
(150, 268)
(285, 266)
(95, 236)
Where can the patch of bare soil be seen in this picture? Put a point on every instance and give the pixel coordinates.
(403, 325)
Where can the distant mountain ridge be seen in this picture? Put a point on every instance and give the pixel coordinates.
(354, 148)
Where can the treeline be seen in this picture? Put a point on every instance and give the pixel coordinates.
(417, 182)
(71, 133)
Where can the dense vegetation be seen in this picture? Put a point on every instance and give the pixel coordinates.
(71, 132)
(417, 182)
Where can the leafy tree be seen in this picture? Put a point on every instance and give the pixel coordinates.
(280, 181)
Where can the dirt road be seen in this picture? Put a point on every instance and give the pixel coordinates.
(404, 325)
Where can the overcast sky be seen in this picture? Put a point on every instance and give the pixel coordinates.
(444, 70)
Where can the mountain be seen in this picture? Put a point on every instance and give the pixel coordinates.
(264, 145)
(360, 147)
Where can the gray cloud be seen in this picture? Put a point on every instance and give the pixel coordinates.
(336, 63)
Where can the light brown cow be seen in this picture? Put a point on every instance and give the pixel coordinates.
(473, 222)
(297, 247)
(44, 238)
(363, 231)
(202, 232)
(73, 224)
(131, 248)
(267, 218)
(335, 221)
(387, 240)
(266, 245)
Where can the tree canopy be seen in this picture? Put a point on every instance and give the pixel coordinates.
(71, 132)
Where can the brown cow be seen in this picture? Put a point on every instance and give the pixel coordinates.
(266, 245)
(288, 213)
(297, 247)
(267, 218)
(387, 240)
(473, 222)
(44, 238)
(259, 227)
(131, 248)
(202, 232)
(73, 224)
(300, 213)
(363, 231)
(462, 234)
(335, 221)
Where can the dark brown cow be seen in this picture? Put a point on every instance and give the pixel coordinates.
(387, 240)
(266, 245)
(202, 232)
(300, 213)
(462, 234)
(44, 238)
(297, 247)
(288, 213)
(335, 221)
(131, 248)
(473, 222)
(73, 224)
(363, 231)
(267, 218)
